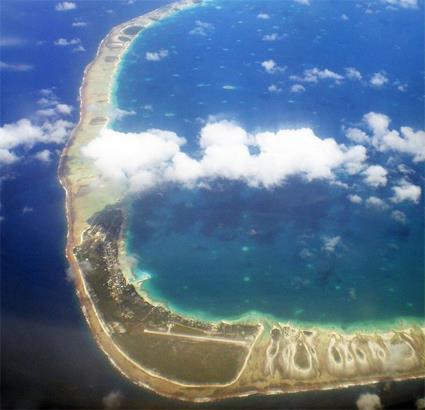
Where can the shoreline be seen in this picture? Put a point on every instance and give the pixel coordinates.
(254, 316)
(76, 222)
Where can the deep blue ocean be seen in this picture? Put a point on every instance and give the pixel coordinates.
(49, 358)
(228, 250)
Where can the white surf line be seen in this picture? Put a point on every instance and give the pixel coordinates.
(201, 338)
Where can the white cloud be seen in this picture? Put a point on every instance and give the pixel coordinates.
(270, 37)
(7, 157)
(43, 156)
(12, 41)
(271, 67)
(313, 75)
(274, 89)
(226, 154)
(65, 6)
(402, 87)
(376, 176)
(356, 156)
(63, 42)
(27, 210)
(48, 98)
(202, 28)
(355, 199)
(263, 16)
(404, 169)
(117, 114)
(344, 17)
(156, 55)
(399, 216)
(406, 4)
(303, 2)
(22, 132)
(70, 275)
(357, 135)
(64, 109)
(58, 109)
(140, 159)
(25, 134)
(57, 131)
(330, 243)
(377, 122)
(113, 400)
(368, 401)
(420, 403)
(306, 253)
(16, 67)
(398, 353)
(47, 92)
(407, 141)
(377, 203)
(378, 79)
(79, 24)
(147, 159)
(406, 192)
(353, 74)
(46, 112)
(229, 87)
(297, 88)
(78, 49)
(87, 267)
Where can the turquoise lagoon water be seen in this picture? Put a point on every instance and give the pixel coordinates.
(227, 250)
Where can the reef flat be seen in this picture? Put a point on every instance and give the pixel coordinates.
(178, 356)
